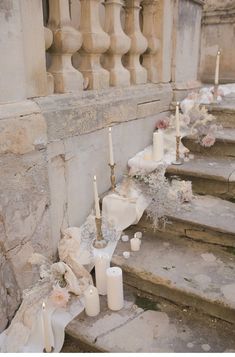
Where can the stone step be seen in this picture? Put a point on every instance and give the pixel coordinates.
(147, 324)
(209, 175)
(224, 112)
(224, 144)
(182, 271)
(207, 219)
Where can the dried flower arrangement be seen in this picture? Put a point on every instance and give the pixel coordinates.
(165, 197)
(195, 120)
(198, 122)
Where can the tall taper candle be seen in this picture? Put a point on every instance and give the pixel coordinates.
(46, 329)
(177, 118)
(111, 159)
(217, 68)
(96, 197)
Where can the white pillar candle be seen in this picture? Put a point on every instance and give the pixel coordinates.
(177, 118)
(102, 263)
(217, 68)
(115, 288)
(158, 145)
(46, 329)
(111, 159)
(135, 244)
(96, 198)
(92, 301)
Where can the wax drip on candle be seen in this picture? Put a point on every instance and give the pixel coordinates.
(111, 158)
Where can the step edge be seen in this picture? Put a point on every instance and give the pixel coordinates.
(187, 294)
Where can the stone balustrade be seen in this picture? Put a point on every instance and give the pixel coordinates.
(109, 47)
(66, 41)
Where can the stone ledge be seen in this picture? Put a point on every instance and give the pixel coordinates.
(71, 115)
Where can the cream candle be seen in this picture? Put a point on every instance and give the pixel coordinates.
(46, 328)
(135, 244)
(92, 301)
(102, 263)
(111, 158)
(217, 68)
(177, 118)
(96, 198)
(115, 288)
(125, 238)
(126, 255)
(158, 145)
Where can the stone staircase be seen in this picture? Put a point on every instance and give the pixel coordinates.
(180, 287)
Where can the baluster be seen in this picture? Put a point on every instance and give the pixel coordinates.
(120, 44)
(48, 42)
(149, 25)
(66, 41)
(138, 43)
(95, 42)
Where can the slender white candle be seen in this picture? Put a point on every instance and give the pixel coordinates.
(217, 68)
(102, 263)
(96, 197)
(177, 118)
(158, 145)
(111, 159)
(46, 328)
(115, 288)
(92, 301)
(135, 244)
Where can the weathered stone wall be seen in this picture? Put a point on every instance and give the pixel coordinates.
(218, 32)
(186, 45)
(22, 59)
(24, 200)
(78, 143)
(50, 148)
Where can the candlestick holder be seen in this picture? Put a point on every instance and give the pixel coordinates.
(178, 160)
(112, 177)
(99, 242)
(215, 94)
(52, 350)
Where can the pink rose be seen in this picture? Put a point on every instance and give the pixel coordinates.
(208, 140)
(163, 123)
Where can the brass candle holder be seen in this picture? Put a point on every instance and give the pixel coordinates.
(178, 160)
(215, 94)
(112, 177)
(99, 242)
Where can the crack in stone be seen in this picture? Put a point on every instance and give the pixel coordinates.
(117, 327)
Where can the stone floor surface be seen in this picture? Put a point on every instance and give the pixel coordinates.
(148, 325)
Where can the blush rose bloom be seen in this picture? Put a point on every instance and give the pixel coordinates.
(59, 296)
(208, 140)
(163, 123)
